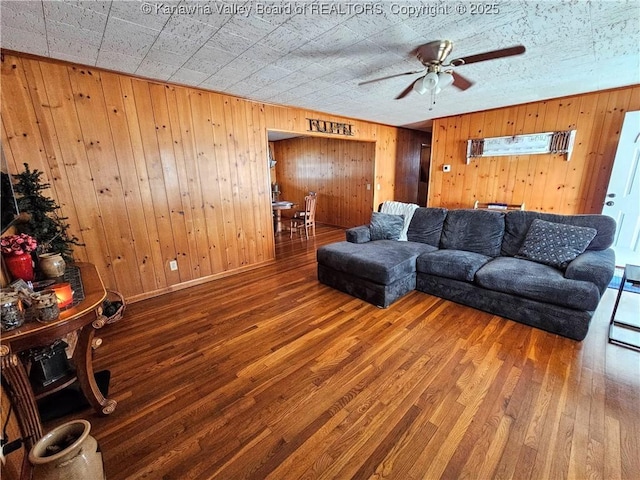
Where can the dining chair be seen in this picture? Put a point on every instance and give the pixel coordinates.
(305, 219)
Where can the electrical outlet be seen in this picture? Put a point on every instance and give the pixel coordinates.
(173, 265)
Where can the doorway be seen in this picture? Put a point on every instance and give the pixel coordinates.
(623, 194)
(339, 171)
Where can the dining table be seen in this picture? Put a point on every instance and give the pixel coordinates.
(277, 208)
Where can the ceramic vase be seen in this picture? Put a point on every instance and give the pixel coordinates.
(20, 266)
(67, 452)
(52, 265)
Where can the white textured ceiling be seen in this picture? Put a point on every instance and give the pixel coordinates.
(313, 54)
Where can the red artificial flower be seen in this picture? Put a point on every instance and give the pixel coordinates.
(18, 244)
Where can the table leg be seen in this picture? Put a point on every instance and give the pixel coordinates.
(278, 222)
(83, 360)
(615, 306)
(14, 377)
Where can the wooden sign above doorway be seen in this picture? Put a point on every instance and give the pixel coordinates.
(325, 126)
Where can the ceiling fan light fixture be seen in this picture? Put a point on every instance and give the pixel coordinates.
(430, 81)
(418, 86)
(444, 79)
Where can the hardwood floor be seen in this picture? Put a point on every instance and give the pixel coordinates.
(271, 375)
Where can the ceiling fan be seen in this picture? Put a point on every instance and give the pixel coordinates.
(432, 55)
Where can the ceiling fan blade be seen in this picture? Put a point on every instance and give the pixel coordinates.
(405, 92)
(461, 82)
(481, 57)
(391, 76)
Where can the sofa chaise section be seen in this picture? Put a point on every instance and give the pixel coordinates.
(483, 259)
(379, 271)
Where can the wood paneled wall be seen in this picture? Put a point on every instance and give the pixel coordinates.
(543, 182)
(149, 172)
(338, 170)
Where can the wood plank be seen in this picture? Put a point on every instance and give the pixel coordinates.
(156, 177)
(184, 159)
(77, 170)
(153, 277)
(116, 111)
(55, 160)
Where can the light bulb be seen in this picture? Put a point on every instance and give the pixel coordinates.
(444, 79)
(430, 81)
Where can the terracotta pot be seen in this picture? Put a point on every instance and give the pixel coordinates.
(20, 266)
(67, 452)
(52, 265)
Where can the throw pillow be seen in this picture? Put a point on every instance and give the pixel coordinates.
(555, 244)
(386, 226)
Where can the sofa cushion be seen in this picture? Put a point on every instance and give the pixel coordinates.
(426, 225)
(477, 231)
(517, 225)
(386, 226)
(596, 266)
(555, 244)
(400, 208)
(381, 261)
(359, 234)
(537, 282)
(456, 264)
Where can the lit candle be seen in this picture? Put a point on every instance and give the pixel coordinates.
(64, 293)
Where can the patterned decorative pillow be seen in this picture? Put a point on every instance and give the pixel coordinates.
(386, 226)
(555, 244)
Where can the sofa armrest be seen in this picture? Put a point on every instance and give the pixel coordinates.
(360, 234)
(595, 266)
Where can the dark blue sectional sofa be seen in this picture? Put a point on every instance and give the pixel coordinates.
(484, 259)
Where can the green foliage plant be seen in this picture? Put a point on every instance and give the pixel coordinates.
(44, 222)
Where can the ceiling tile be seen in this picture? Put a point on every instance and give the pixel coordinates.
(225, 77)
(74, 15)
(87, 51)
(189, 77)
(133, 12)
(229, 41)
(161, 71)
(250, 27)
(208, 59)
(117, 61)
(283, 40)
(75, 34)
(190, 30)
(30, 19)
(177, 45)
(24, 41)
(311, 26)
(162, 56)
(128, 38)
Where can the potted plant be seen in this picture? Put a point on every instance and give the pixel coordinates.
(44, 223)
(16, 251)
